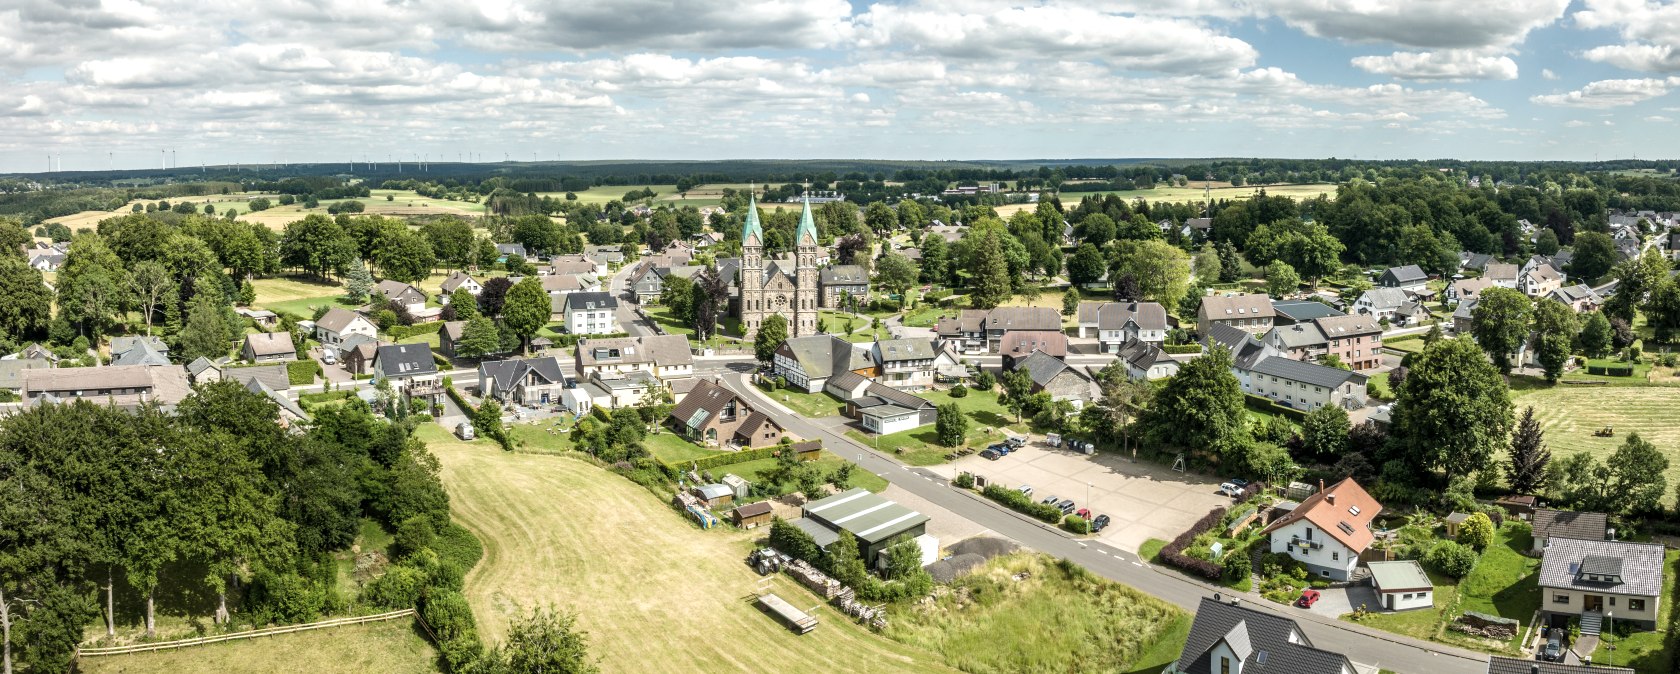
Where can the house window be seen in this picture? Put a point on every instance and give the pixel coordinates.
(1612, 602)
(1560, 599)
(1408, 595)
(1636, 604)
(1224, 665)
(1335, 556)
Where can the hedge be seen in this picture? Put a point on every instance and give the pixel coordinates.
(398, 333)
(456, 396)
(568, 340)
(1611, 370)
(731, 458)
(1022, 503)
(302, 372)
(312, 399)
(1173, 555)
(1181, 348)
(1263, 404)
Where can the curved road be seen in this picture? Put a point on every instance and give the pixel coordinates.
(1360, 644)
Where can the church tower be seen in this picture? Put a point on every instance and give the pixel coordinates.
(752, 270)
(806, 247)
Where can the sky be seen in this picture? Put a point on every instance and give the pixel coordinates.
(112, 83)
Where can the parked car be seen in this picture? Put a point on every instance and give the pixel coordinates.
(1050, 500)
(1238, 481)
(988, 455)
(328, 357)
(1025, 489)
(1066, 506)
(1229, 489)
(1000, 448)
(1100, 523)
(1015, 442)
(1308, 598)
(1084, 512)
(1553, 650)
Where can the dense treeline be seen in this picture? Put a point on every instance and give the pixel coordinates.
(217, 510)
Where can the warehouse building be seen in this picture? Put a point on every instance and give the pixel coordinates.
(875, 521)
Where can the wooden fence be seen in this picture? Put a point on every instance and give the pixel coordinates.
(265, 632)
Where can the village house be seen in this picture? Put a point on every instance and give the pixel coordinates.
(409, 369)
(565, 284)
(666, 357)
(404, 295)
(883, 409)
(1468, 261)
(1409, 277)
(458, 280)
(1501, 274)
(507, 251)
(1250, 313)
(1540, 281)
(1380, 303)
(1023, 343)
(840, 281)
(262, 318)
(125, 386)
(1467, 289)
(1146, 361)
(1115, 323)
(646, 283)
(610, 256)
(1549, 524)
(523, 381)
(1503, 665)
(905, 364)
(448, 334)
(265, 347)
(1355, 340)
(1228, 638)
(1414, 312)
(1597, 579)
(977, 330)
(612, 391)
(141, 350)
(807, 362)
(713, 415)
(1328, 531)
(338, 324)
(1062, 381)
(1580, 297)
(591, 314)
(567, 265)
(1267, 372)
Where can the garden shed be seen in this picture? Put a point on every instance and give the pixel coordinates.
(714, 495)
(752, 515)
(1454, 521)
(738, 486)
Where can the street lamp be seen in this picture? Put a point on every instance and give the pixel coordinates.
(1610, 648)
(1088, 508)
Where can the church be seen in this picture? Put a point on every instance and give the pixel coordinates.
(785, 286)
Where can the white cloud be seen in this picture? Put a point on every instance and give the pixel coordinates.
(1546, 73)
(1651, 27)
(1637, 56)
(1448, 64)
(1658, 119)
(1576, 124)
(1437, 24)
(1610, 93)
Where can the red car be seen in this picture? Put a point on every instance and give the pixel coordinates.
(1084, 512)
(1308, 598)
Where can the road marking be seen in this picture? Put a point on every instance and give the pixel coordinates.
(1083, 545)
(1102, 551)
(1136, 564)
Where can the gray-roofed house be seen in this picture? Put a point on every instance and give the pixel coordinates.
(263, 318)
(1267, 372)
(1467, 289)
(883, 409)
(1469, 261)
(1499, 664)
(1115, 323)
(1502, 274)
(591, 313)
(665, 356)
(1062, 381)
(647, 283)
(523, 381)
(448, 334)
(1401, 585)
(273, 375)
(808, 362)
(837, 280)
(905, 364)
(1004, 320)
(511, 250)
(1232, 639)
(1380, 303)
(203, 370)
(459, 280)
(126, 386)
(1549, 524)
(1301, 311)
(1146, 361)
(1462, 317)
(1596, 578)
(1580, 297)
(1409, 277)
(11, 371)
(409, 368)
(149, 351)
(1248, 312)
(409, 297)
(268, 347)
(1413, 312)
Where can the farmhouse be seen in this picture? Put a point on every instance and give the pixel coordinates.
(1252, 314)
(1409, 277)
(1328, 531)
(875, 522)
(1232, 639)
(525, 381)
(1401, 585)
(1592, 579)
(842, 280)
(1550, 524)
(905, 364)
(267, 347)
(1115, 323)
(591, 314)
(711, 414)
(1380, 303)
(338, 324)
(808, 362)
(665, 356)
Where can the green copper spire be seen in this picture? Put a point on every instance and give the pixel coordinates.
(807, 226)
(751, 230)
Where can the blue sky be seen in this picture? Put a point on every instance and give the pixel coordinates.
(114, 81)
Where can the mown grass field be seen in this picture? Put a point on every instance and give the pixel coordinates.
(1193, 192)
(394, 646)
(297, 295)
(654, 592)
(1056, 619)
(1570, 414)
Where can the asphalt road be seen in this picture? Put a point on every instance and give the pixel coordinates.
(1362, 645)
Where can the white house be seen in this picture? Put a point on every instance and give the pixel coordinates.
(807, 362)
(1328, 530)
(1401, 585)
(591, 314)
(338, 324)
(1540, 281)
(459, 280)
(666, 357)
(906, 364)
(1502, 274)
(1115, 323)
(1380, 303)
(1146, 361)
(1601, 580)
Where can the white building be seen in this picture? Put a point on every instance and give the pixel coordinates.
(1115, 323)
(1328, 530)
(338, 324)
(1401, 585)
(591, 314)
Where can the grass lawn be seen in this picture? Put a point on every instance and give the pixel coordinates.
(1417, 623)
(1060, 618)
(917, 446)
(1504, 582)
(653, 591)
(297, 295)
(390, 646)
(671, 324)
(808, 404)
(924, 316)
(537, 438)
(753, 471)
(674, 449)
(1151, 548)
(1407, 344)
(1643, 651)
(982, 407)
(1570, 414)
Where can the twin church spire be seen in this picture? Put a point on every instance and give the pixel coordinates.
(752, 231)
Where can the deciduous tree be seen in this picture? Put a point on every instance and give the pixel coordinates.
(771, 333)
(951, 426)
(1596, 336)
(25, 301)
(1555, 327)
(1201, 407)
(1453, 412)
(1500, 323)
(527, 309)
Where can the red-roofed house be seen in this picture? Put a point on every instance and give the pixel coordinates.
(1328, 530)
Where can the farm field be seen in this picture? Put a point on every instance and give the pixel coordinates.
(402, 202)
(394, 646)
(1570, 414)
(297, 295)
(1194, 192)
(655, 593)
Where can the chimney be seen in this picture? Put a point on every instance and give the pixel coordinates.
(1330, 498)
(1534, 668)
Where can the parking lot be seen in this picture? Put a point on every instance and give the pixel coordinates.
(1144, 500)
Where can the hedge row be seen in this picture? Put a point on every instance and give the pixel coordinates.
(1611, 370)
(1263, 404)
(397, 333)
(1022, 503)
(731, 458)
(1173, 555)
(302, 372)
(1181, 348)
(564, 341)
(456, 396)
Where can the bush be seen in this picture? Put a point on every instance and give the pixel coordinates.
(400, 587)
(1476, 532)
(413, 535)
(455, 545)
(1181, 348)
(1076, 524)
(793, 541)
(451, 620)
(1451, 558)
(1022, 503)
(731, 458)
(285, 598)
(964, 481)
(959, 392)
(1173, 555)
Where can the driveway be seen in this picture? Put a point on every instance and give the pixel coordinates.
(1144, 500)
(1341, 600)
